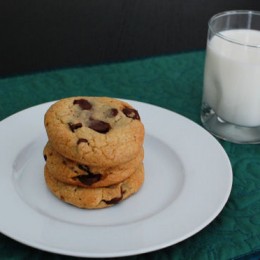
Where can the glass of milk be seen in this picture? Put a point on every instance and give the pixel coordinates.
(231, 92)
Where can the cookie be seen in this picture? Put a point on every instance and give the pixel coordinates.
(74, 173)
(97, 131)
(98, 197)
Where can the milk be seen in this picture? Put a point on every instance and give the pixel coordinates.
(232, 77)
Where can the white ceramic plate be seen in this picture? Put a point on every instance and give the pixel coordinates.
(188, 181)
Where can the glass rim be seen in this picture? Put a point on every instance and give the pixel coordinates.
(233, 12)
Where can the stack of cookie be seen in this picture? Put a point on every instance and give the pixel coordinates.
(94, 155)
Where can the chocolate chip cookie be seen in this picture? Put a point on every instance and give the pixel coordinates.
(97, 197)
(95, 131)
(74, 173)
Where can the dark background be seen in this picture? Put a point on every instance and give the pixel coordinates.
(38, 35)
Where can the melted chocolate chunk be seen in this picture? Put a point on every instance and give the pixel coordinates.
(115, 200)
(82, 140)
(83, 103)
(99, 126)
(112, 112)
(45, 157)
(132, 113)
(73, 127)
(84, 168)
(89, 179)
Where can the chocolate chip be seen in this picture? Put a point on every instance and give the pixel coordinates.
(84, 168)
(112, 112)
(89, 179)
(131, 113)
(73, 127)
(83, 103)
(82, 140)
(45, 157)
(115, 200)
(99, 126)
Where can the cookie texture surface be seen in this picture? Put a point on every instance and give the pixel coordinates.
(96, 131)
(97, 197)
(74, 173)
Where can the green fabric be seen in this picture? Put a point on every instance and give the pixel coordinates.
(173, 82)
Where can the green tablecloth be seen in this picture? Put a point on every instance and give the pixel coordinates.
(173, 82)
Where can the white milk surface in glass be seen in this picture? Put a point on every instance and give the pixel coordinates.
(232, 77)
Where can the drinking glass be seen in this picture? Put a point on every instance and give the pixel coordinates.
(231, 90)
